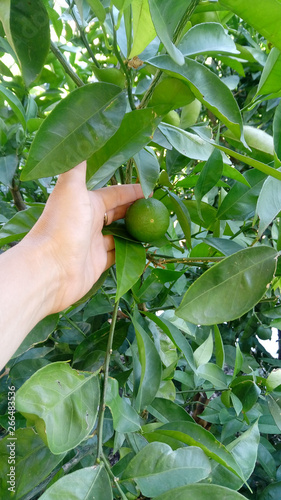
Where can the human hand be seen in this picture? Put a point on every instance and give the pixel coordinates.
(70, 233)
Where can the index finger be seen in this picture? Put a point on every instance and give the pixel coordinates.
(116, 196)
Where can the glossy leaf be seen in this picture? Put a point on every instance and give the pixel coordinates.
(274, 379)
(201, 492)
(193, 434)
(245, 450)
(130, 263)
(125, 418)
(240, 202)
(204, 352)
(26, 25)
(238, 361)
(208, 301)
(269, 203)
(247, 391)
(8, 165)
(209, 176)
(77, 127)
(135, 132)
(275, 411)
(219, 349)
(182, 215)
(98, 9)
(67, 402)
(151, 368)
(213, 374)
(157, 468)
(143, 27)
(165, 17)
(176, 336)
(31, 468)
(207, 38)
(15, 104)
(270, 78)
(148, 170)
(271, 492)
(260, 15)
(90, 482)
(186, 143)
(38, 334)
(208, 89)
(277, 131)
(167, 411)
(19, 225)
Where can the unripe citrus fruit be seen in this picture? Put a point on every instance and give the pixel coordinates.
(147, 220)
(172, 118)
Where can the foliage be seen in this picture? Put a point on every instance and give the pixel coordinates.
(156, 384)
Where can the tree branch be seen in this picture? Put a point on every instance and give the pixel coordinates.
(66, 66)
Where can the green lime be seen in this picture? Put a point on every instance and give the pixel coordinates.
(264, 333)
(147, 220)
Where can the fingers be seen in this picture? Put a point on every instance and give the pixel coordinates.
(108, 242)
(110, 259)
(76, 175)
(116, 196)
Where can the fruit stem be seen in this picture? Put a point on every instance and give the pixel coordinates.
(105, 381)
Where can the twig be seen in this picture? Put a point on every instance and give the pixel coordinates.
(17, 197)
(66, 66)
(114, 478)
(83, 36)
(105, 382)
(183, 260)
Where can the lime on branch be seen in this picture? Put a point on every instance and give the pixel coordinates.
(147, 220)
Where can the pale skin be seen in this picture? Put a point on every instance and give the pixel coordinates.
(62, 256)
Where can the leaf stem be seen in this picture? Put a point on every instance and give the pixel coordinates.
(83, 35)
(66, 66)
(105, 381)
(114, 478)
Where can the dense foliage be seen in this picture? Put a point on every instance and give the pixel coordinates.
(156, 384)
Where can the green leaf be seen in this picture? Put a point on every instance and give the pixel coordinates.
(26, 25)
(19, 225)
(204, 352)
(213, 374)
(171, 93)
(188, 144)
(201, 492)
(273, 380)
(31, 468)
(209, 176)
(207, 38)
(15, 104)
(275, 410)
(269, 203)
(125, 418)
(176, 336)
(67, 402)
(193, 434)
(135, 132)
(271, 492)
(270, 78)
(38, 334)
(182, 215)
(143, 27)
(247, 391)
(211, 298)
(98, 9)
(157, 468)
(130, 263)
(262, 16)
(238, 361)
(208, 89)
(245, 450)
(90, 482)
(77, 127)
(240, 202)
(151, 368)
(167, 411)
(220, 357)
(8, 166)
(148, 170)
(165, 17)
(277, 131)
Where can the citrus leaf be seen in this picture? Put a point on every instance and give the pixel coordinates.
(182, 215)
(188, 144)
(219, 349)
(207, 38)
(98, 9)
(19, 225)
(8, 166)
(230, 288)
(151, 367)
(209, 176)
(270, 78)
(15, 104)
(67, 402)
(130, 263)
(269, 203)
(194, 435)
(31, 468)
(157, 468)
(204, 352)
(90, 482)
(125, 418)
(277, 131)
(77, 127)
(166, 411)
(208, 89)
(148, 170)
(143, 27)
(26, 25)
(201, 492)
(213, 374)
(275, 411)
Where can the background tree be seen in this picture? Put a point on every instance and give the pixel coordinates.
(168, 391)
